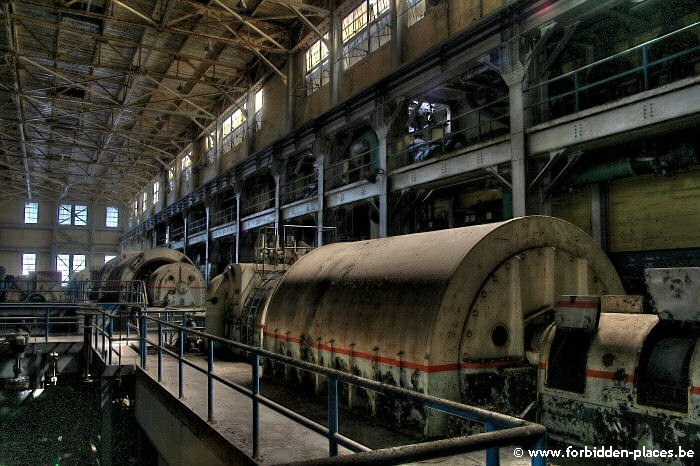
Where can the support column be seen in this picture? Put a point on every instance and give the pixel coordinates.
(185, 233)
(289, 114)
(598, 214)
(321, 198)
(206, 247)
(335, 56)
(398, 30)
(514, 80)
(382, 181)
(250, 123)
(278, 222)
(238, 227)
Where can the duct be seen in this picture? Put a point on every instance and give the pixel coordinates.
(674, 160)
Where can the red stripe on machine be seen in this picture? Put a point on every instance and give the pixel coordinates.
(397, 362)
(595, 374)
(695, 390)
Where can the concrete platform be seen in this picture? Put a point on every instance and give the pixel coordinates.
(281, 440)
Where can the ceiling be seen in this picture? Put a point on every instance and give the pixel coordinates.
(97, 96)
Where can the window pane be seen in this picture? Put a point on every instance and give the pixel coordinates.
(112, 217)
(28, 263)
(354, 21)
(31, 212)
(78, 263)
(258, 100)
(65, 214)
(109, 257)
(63, 266)
(156, 192)
(80, 215)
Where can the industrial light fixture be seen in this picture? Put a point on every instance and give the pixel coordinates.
(180, 88)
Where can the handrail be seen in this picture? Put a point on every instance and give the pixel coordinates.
(501, 429)
(258, 202)
(575, 87)
(296, 189)
(480, 129)
(226, 215)
(351, 169)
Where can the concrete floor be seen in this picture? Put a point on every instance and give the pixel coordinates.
(281, 440)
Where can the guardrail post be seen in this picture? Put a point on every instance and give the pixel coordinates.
(492, 456)
(104, 337)
(332, 415)
(645, 67)
(160, 352)
(180, 367)
(577, 103)
(210, 381)
(256, 406)
(110, 335)
(48, 325)
(142, 340)
(540, 445)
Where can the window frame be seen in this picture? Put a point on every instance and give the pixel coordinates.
(112, 217)
(25, 266)
(31, 213)
(156, 192)
(72, 215)
(186, 167)
(371, 30)
(317, 71)
(69, 265)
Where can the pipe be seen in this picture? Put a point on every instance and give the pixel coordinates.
(524, 435)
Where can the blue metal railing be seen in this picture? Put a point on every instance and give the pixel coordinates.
(471, 127)
(500, 430)
(648, 65)
(226, 215)
(41, 320)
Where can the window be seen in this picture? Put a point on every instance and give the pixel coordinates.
(68, 264)
(69, 214)
(365, 29)
(258, 101)
(233, 129)
(112, 217)
(186, 166)
(156, 192)
(135, 208)
(109, 257)
(416, 11)
(317, 66)
(171, 179)
(28, 263)
(144, 201)
(31, 212)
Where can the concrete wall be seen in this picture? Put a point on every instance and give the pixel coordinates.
(273, 123)
(47, 239)
(179, 435)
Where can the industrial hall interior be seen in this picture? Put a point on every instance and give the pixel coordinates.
(349, 232)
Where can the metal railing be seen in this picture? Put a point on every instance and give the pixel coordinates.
(500, 430)
(116, 292)
(177, 233)
(475, 126)
(41, 320)
(300, 188)
(352, 169)
(648, 65)
(258, 202)
(223, 216)
(197, 226)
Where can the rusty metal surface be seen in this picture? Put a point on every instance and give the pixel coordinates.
(428, 311)
(675, 291)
